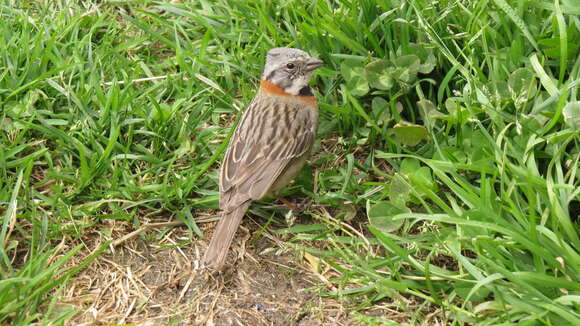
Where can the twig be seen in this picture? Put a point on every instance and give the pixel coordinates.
(143, 228)
(156, 225)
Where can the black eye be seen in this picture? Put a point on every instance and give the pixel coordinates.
(290, 65)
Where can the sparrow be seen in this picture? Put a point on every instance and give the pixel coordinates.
(270, 144)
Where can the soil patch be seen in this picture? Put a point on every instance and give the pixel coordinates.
(156, 279)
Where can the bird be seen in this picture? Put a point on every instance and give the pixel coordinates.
(270, 145)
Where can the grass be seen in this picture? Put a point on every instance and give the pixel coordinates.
(447, 180)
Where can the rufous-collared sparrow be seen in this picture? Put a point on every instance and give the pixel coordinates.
(270, 145)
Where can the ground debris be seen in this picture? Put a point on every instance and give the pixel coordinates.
(159, 282)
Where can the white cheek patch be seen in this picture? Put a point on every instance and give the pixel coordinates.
(298, 83)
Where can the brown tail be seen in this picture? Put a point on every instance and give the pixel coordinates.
(222, 238)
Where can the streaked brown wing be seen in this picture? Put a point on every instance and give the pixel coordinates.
(269, 136)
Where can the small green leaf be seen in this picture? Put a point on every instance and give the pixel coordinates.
(409, 134)
(350, 70)
(378, 74)
(354, 75)
(409, 166)
(459, 113)
(381, 216)
(407, 68)
(399, 190)
(428, 109)
(423, 177)
(358, 86)
(410, 61)
(381, 111)
(428, 65)
(417, 174)
(379, 104)
(428, 60)
(571, 113)
(452, 106)
(405, 74)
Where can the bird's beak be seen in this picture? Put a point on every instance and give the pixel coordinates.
(313, 63)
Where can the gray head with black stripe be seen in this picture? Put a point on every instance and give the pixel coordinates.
(290, 69)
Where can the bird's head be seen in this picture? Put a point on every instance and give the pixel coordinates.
(290, 69)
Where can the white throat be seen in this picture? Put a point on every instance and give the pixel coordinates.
(297, 84)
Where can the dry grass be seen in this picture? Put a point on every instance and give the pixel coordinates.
(156, 282)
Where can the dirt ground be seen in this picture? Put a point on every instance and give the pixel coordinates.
(146, 280)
